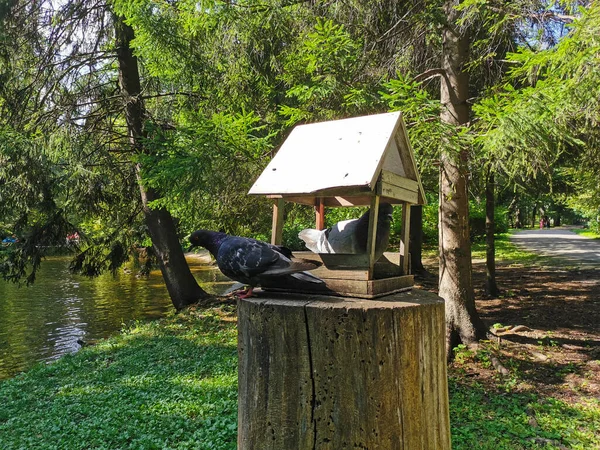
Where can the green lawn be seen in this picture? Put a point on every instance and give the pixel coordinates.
(506, 252)
(165, 384)
(172, 384)
(587, 233)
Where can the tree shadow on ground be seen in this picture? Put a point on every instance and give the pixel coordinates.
(555, 349)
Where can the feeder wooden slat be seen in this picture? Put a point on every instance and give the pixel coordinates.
(351, 267)
(389, 190)
(397, 180)
(343, 287)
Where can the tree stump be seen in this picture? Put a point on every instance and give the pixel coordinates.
(333, 373)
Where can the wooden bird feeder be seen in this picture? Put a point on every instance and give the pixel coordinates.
(361, 161)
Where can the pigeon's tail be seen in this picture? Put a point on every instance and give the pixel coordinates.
(233, 288)
(309, 264)
(311, 238)
(305, 276)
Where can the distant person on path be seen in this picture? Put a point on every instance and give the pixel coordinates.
(73, 238)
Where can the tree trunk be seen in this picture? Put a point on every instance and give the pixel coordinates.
(456, 286)
(416, 240)
(338, 373)
(491, 287)
(181, 284)
(558, 216)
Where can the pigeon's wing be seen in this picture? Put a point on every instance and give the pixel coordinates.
(244, 259)
(281, 249)
(350, 236)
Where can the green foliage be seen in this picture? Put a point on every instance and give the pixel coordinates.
(545, 113)
(431, 220)
(503, 415)
(223, 82)
(592, 232)
(421, 113)
(502, 421)
(171, 384)
(28, 186)
(477, 218)
(323, 75)
(205, 168)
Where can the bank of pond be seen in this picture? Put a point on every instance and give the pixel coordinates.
(61, 312)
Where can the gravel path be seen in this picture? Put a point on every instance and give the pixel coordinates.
(560, 242)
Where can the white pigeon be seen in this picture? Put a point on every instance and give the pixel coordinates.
(350, 236)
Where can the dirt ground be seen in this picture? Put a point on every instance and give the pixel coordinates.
(547, 330)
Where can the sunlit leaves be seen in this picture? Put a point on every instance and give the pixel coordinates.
(205, 168)
(323, 74)
(547, 113)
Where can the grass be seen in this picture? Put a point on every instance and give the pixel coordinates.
(507, 416)
(506, 251)
(586, 233)
(172, 384)
(166, 384)
(515, 421)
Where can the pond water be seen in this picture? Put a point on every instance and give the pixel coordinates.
(44, 321)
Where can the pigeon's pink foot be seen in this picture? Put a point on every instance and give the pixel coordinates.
(245, 294)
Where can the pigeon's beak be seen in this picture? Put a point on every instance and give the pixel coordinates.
(191, 247)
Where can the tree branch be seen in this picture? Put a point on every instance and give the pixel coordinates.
(428, 74)
(166, 94)
(553, 15)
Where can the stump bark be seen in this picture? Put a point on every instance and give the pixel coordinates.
(334, 373)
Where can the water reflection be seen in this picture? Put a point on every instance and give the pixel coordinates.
(44, 321)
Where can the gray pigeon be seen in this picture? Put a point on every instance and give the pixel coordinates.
(252, 262)
(350, 236)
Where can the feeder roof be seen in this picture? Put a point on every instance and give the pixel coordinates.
(344, 162)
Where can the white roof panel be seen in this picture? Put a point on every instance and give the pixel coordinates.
(325, 155)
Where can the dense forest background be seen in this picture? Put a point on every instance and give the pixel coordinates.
(184, 102)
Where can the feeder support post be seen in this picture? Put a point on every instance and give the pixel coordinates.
(371, 234)
(277, 227)
(320, 214)
(405, 236)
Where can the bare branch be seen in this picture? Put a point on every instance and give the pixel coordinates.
(167, 94)
(428, 74)
(402, 19)
(547, 15)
